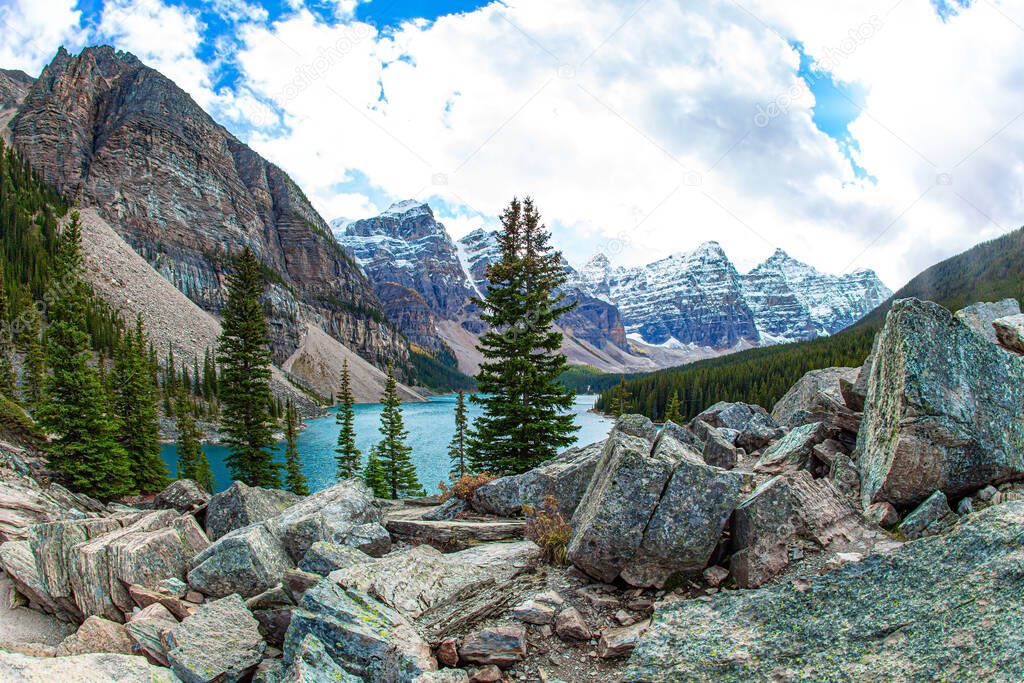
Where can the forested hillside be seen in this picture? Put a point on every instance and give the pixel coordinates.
(989, 271)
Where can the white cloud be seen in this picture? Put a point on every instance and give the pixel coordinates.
(32, 30)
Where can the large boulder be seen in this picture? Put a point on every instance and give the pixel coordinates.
(931, 517)
(183, 495)
(1010, 332)
(323, 558)
(365, 637)
(220, 642)
(564, 478)
(246, 561)
(793, 451)
(241, 505)
(87, 668)
(502, 646)
(419, 578)
(754, 426)
(310, 663)
(648, 512)
(942, 411)
(908, 615)
(149, 629)
(333, 515)
(797, 405)
(761, 529)
(96, 635)
(981, 316)
(17, 560)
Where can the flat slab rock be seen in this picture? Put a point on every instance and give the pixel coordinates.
(942, 608)
(454, 532)
(87, 668)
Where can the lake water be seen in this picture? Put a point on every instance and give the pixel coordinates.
(431, 426)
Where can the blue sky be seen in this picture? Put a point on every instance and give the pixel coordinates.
(638, 126)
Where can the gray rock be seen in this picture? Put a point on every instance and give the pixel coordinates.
(365, 637)
(761, 529)
(718, 452)
(637, 426)
(220, 642)
(793, 451)
(683, 435)
(447, 511)
(570, 625)
(620, 641)
(371, 539)
(88, 668)
(908, 615)
(502, 646)
(942, 412)
(310, 663)
(443, 676)
(534, 612)
(183, 495)
(323, 558)
(241, 506)
(296, 582)
(564, 478)
(149, 628)
(931, 517)
(245, 561)
(883, 514)
(980, 317)
(1010, 332)
(329, 515)
(608, 526)
(796, 406)
(754, 425)
(688, 520)
(965, 506)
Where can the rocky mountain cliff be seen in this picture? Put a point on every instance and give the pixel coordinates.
(111, 133)
(699, 299)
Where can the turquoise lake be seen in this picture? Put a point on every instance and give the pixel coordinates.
(430, 424)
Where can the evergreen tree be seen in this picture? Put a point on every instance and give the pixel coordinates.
(672, 413)
(393, 454)
(135, 399)
(622, 403)
(192, 461)
(294, 480)
(347, 455)
(373, 475)
(526, 416)
(8, 381)
(35, 359)
(457, 449)
(245, 377)
(75, 407)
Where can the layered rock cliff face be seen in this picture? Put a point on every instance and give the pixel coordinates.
(699, 299)
(112, 133)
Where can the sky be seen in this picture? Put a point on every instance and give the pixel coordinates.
(882, 134)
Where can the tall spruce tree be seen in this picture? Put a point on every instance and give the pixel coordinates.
(394, 454)
(244, 357)
(75, 408)
(622, 403)
(8, 382)
(526, 417)
(135, 401)
(35, 359)
(458, 448)
(347, 455)
(672, 413)
(294, 480)
(373, 475)
(192, 461)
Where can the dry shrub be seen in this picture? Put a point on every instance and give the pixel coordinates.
(465, 486)
(548, 528)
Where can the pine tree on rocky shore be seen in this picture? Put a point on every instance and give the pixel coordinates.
(526, 417)
(75, 408)
(373, 475)
(134, 393)
(397, 471)
(457, 449)
(347, 455)
(192, 461)
(294, 480)
(244, 357)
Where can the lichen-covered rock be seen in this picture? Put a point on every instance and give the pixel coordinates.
(797, 404)
(908, 615)
(564, 478)
(931, 517)
(100, 667)
(717, 451)
(96, 635)
(1010, 332)
(981, 316)
(793, 451)
(761, 528)
(323, 558)
(754, 426)
(17, 560)
(220, 642)
(148, 629)
(365, 637)
(502, 646)
(942, 411)
(310, 663)
(183, 495)
(329, 515)
(241, 506)
(688, 520)
(372, 539)
(246, 561)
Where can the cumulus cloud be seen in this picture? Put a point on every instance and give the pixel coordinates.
(32, 30)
